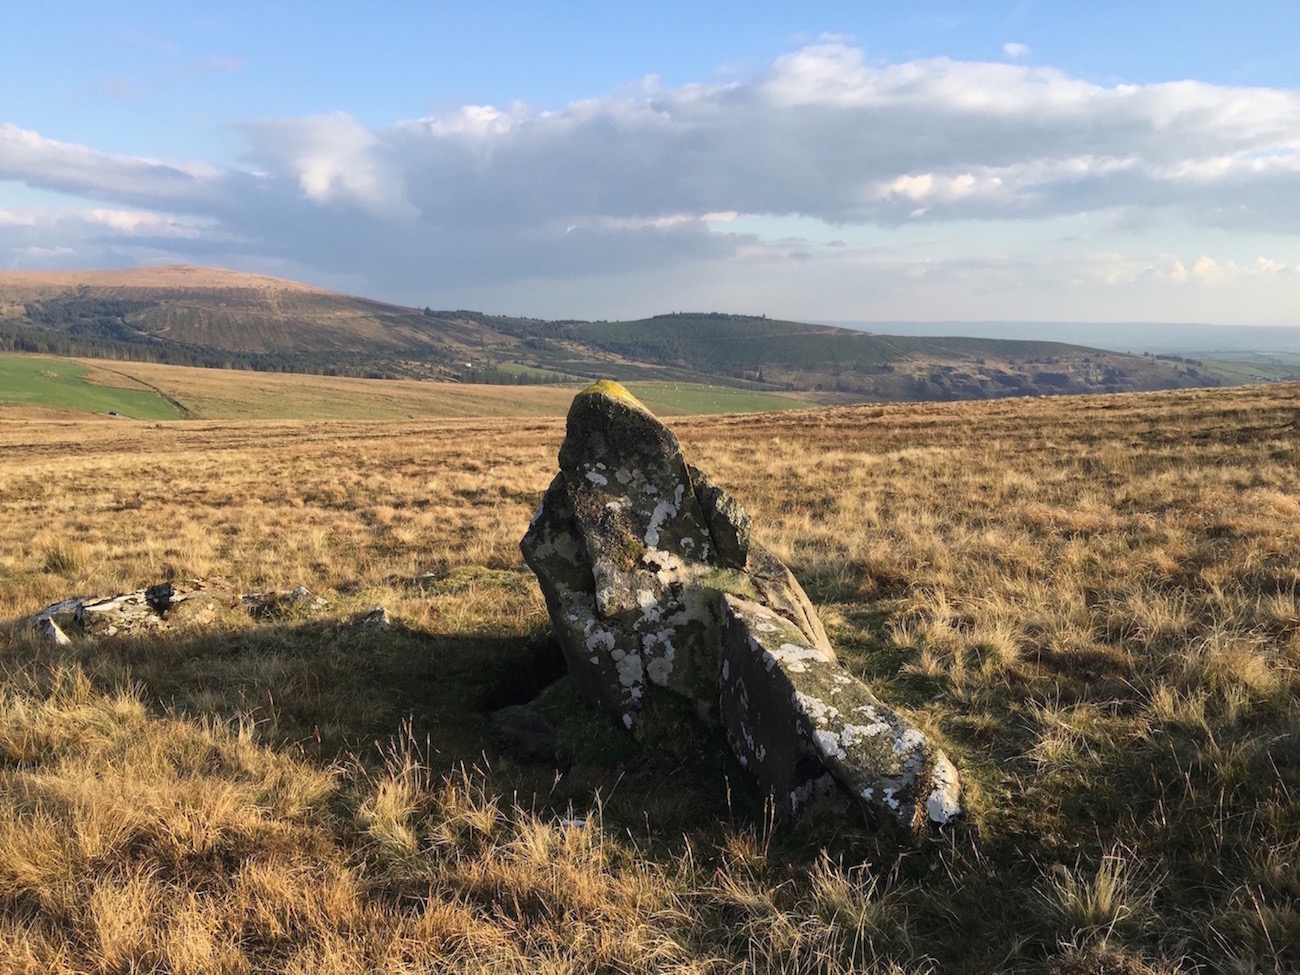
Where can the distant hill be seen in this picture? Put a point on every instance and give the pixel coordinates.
(1186, 339)
(214, 317)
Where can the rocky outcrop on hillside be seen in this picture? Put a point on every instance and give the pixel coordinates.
(663, 604)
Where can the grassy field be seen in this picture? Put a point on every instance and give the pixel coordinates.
(1092, 604)
(61, 384)
(1254, 368)
(670, 399)
(151, 391)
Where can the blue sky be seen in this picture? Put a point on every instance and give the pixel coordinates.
(856, 161)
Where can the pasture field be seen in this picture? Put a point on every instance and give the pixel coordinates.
(1091, 603)
(61, 384)
(150, 391)
(674, 399)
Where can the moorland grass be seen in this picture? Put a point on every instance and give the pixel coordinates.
(1090, 602)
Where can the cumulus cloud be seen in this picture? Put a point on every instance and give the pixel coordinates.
(1014, 49)
(334, 159)
(634, 182)
(28, 157)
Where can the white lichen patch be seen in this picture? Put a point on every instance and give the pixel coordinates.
(537, 515)
(649, 603)
(942, 805)
(908, 742)
(816, 710)
(851, 734)
(819, 788)
(664, 510)
(750, 748)
(667, 567)
(623, 476)
(659, 652)
(828, 743)
(597, 637)
(595, 477)
(630, 671)
(793, 657)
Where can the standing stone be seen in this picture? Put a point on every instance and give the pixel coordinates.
(661, 599)
(624, 555)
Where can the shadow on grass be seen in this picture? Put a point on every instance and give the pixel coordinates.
(1197, 818)
(335, 690)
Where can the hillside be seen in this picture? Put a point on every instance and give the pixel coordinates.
(861, 365)
(212, 317)
(207, 316)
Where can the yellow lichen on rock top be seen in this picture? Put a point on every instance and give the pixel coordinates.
(614, 390)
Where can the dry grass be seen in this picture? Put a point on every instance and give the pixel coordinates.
(236, 394)
(1093, 603)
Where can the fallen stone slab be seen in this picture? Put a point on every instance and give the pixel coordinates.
(792, 715)
(156, 607)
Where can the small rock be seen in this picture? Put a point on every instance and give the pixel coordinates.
(160, 597)
(49, 629)
(377, 618)
(526, 730)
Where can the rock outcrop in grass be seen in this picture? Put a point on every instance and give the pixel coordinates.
(665, 605)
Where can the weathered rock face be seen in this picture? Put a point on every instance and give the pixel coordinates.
(793, 716)
(660, 597)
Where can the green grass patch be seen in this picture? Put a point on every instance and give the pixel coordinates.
(61, 384)
(541, 374)
(670, 398)
(1253, 368)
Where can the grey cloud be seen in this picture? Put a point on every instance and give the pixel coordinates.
(622, 183)
(79, 170)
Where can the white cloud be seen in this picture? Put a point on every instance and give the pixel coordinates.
(645, 182)
(335, 160)
(1014, 49)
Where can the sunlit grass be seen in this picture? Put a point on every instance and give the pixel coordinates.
(1093, 604)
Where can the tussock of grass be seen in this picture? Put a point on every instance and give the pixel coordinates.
(1092, 604)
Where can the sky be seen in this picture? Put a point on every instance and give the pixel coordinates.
(864, 161)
